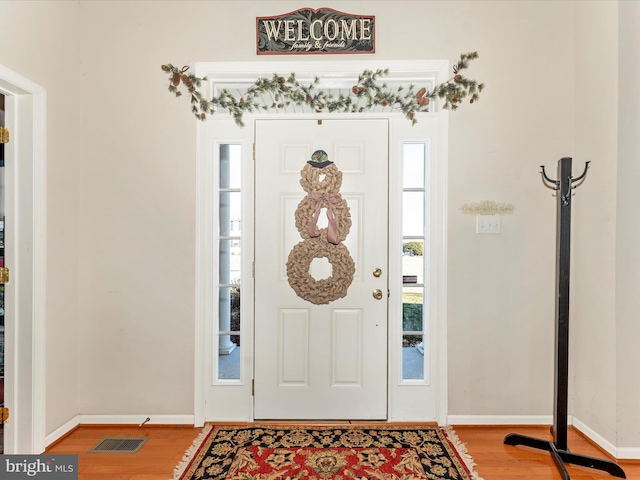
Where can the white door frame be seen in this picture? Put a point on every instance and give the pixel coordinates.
(25, 194)
(331, 74)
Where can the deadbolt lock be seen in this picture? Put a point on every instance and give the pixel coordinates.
(377, 272)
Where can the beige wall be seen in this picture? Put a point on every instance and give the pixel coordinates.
(606, 307)
(130, 191)
(39, 40)
(628, 229)
(501, 287)
(593, 319)
(137, 191)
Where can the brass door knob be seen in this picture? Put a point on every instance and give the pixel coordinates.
(377, 272)
(377, 294)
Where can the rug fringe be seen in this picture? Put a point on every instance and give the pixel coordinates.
(191, 451)
(461, 448)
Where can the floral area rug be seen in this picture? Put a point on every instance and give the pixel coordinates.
(339, 452)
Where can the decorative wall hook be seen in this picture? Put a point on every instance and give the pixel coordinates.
(487, 207)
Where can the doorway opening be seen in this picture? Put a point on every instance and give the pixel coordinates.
(25, 237)
(408, 279)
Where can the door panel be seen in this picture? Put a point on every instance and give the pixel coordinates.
(321, 361)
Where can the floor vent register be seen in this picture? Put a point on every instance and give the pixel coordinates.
(119, 445)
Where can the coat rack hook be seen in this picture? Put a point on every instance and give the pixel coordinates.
(555, 183)
(584, 174)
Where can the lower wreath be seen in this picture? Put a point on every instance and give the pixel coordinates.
(320, 292)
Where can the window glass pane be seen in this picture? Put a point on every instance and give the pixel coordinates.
(230, 166)
(412, 357)
(230, 213)
(229, 365)
(229, 309)
(413, 214)
(413, 261)
(412, 304)
(413, 165)
(228, 344)
(229, 261)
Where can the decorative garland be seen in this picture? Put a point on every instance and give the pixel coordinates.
(365, 95)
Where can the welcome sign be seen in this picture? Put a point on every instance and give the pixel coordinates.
(307, 31)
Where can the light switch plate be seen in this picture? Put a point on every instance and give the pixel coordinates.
(488, 224)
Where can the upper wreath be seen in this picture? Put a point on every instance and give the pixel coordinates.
(311, 178)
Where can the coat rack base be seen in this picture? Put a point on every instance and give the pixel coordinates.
(560, 456)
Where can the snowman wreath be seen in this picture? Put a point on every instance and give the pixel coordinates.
(321, 179)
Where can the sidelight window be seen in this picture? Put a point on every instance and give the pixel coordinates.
(414, 249)
(229, 241)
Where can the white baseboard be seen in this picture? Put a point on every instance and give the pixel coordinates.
(619, 453)
(628, 453)
(117, 420)
(136, 419)
(595, 437)
(499, 419)
(61, 431)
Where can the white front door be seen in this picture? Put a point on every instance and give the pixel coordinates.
(321, 326)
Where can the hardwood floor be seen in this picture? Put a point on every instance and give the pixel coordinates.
(166, 445)
(154, 461)
(496, 461)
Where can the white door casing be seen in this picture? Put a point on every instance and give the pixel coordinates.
(412, 400)
(409, 400)
(324, 361)
(25, 200)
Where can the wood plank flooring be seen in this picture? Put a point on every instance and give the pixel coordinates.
(154, 461)
(166, 445)
(496, 461)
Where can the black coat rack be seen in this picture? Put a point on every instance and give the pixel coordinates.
(558, 446)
